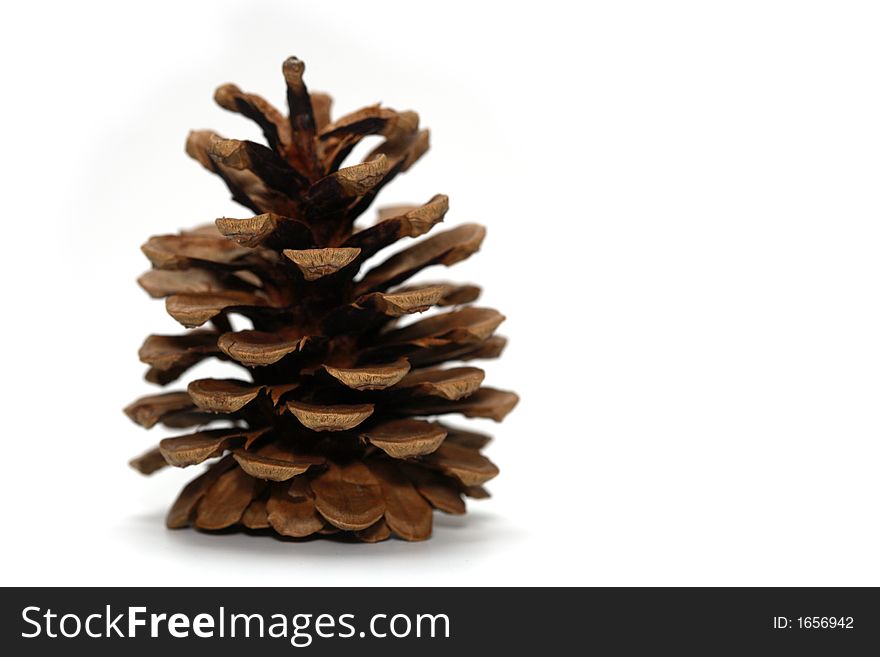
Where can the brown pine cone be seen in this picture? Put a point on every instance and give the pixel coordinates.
(331, 432)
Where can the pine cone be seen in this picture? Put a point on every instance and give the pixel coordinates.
(329, 434)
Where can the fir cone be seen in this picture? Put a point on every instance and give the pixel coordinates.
(329, 427)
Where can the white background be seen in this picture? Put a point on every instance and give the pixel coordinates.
(682, 203)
